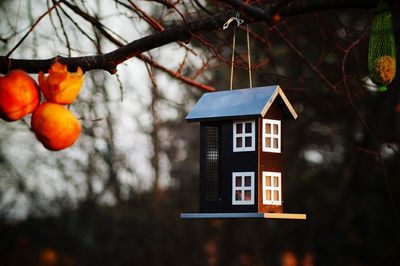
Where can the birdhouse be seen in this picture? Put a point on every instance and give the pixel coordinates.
(241, 159)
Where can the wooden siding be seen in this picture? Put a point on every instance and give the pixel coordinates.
(269, 161)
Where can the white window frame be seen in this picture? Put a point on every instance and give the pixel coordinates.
(242, 188)
(243, 136)
(271, 135)
(271, 188)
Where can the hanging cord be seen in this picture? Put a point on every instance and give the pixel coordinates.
(233, 56)
(226, 25)
(238, 23)
(249, 56)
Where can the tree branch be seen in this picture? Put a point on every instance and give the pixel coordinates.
(310, 65)
(294, 8)
(175, 74)
(110, 61)
(32, 27)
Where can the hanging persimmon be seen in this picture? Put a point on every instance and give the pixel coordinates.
(19, 95)
(55, 126)
(61, 86)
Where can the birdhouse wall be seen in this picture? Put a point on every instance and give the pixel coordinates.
(270, 161)
(229, 162)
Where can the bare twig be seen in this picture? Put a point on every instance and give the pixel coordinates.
(63, 30)
(346, 87)
(32, 27)
(369, 130)
(300, 55)
(176, 74)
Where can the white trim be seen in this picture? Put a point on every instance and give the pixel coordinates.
(242, 188)
(286, 101)
(277, 92)
(271, 188)
(271, 135)
(270, 102)
(243, 136)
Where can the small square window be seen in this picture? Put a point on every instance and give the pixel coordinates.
(271, 188)
(244, 135)
(243, 188)
(271, 135)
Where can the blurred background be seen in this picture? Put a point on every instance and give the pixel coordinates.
(114, 198)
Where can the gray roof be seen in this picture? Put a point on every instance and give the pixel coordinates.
(237, 103)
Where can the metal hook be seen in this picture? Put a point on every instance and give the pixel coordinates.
(236, 19)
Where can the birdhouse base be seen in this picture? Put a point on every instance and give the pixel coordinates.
(236, 215)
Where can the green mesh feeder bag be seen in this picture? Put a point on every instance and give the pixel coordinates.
(382, 49)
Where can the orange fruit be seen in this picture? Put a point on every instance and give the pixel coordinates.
(61, 86)
(19, 95)
(55, 126)
(384, 70)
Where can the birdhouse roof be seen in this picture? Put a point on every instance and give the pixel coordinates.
(238, 103)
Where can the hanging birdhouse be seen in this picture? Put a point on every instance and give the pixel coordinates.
(241, 159)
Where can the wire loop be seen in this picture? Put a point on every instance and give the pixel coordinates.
(236, 19)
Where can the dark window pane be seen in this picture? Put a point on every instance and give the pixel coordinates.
(239, 128)
(238, 181)
(238, 195)
(247, 141)
(247, 181)
(248, 128)
(247, 195)
(239, 143)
